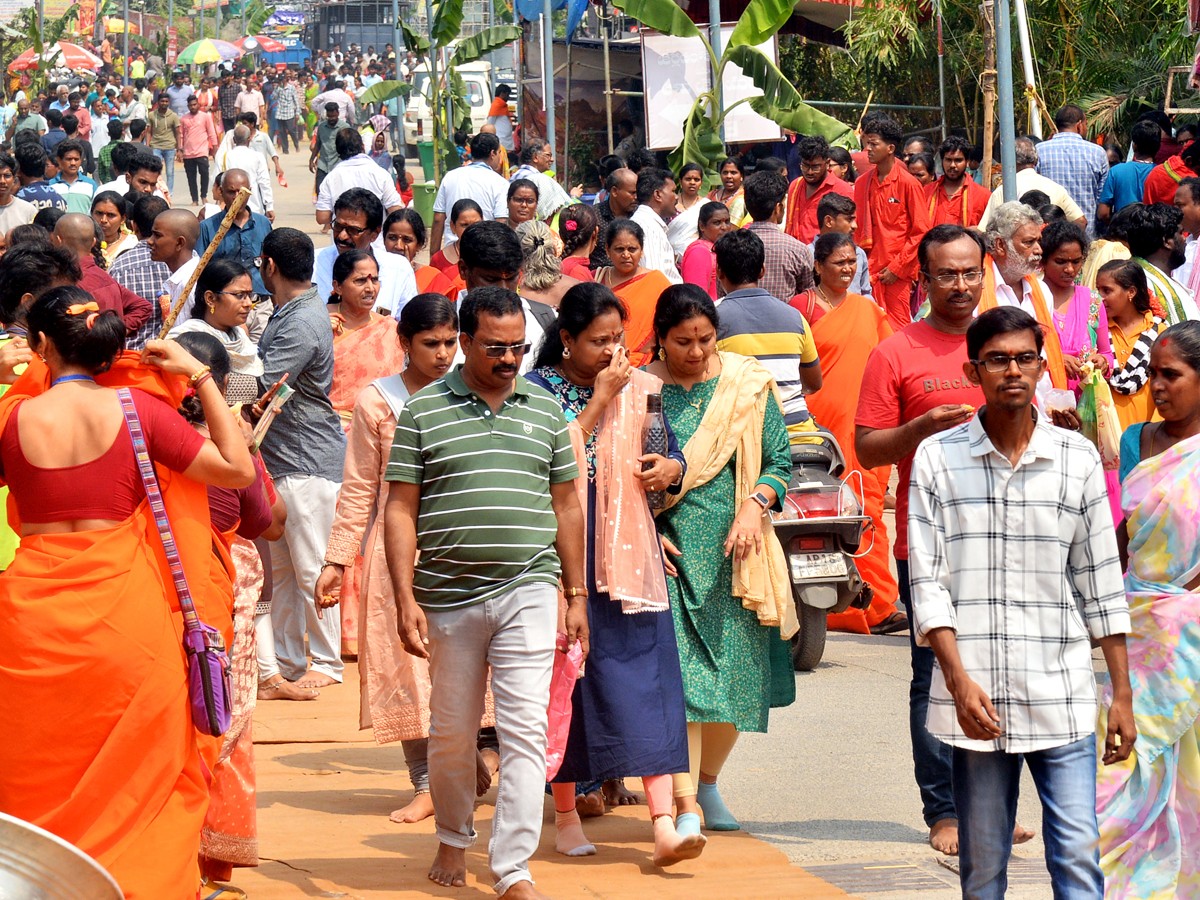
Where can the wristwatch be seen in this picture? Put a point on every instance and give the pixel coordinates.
(761, 499)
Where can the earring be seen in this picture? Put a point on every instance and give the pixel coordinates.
(566, 353)
(662, 354)
(211, 309)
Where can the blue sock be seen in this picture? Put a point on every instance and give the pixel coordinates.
(717, 816)
(687, 824)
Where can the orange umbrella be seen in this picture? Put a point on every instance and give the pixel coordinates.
(72, 56)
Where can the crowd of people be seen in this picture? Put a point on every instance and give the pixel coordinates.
(437, 468)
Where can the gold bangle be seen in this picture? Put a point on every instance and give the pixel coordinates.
(572, 593)
(195, 379)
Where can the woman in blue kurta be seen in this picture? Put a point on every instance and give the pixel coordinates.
(628, 712)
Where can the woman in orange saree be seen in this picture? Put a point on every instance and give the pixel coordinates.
(404, 234)
(364, 349)
(230, 834)
(102, 751)
(638, 288)
(846, 327)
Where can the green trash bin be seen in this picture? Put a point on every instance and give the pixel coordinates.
(425, 152)
(423, 194)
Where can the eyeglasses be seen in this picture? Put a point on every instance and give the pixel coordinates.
(240, 296)
(352, 230)
(949, 279)
(499, 351)
(524, 201)
(1026, 362)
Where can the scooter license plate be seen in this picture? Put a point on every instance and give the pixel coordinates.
(817, 565)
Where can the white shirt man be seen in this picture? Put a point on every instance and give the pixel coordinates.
(358, 172)
(334, 95)
(397, 283)
(657, 252)
(552, 196)
(478, 182)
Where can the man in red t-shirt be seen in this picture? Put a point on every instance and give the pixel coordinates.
(805, 193)
(955, 198)
(913, 387)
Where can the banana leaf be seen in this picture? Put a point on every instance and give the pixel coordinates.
(384, 91)
(661, 15)
(785, 107)
(417, 43)
(701, 144)
(447, 22)
(479, 45)
(760, 20)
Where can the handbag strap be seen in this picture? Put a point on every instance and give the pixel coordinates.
(191, 621)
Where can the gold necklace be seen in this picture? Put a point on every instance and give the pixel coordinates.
(694, 404)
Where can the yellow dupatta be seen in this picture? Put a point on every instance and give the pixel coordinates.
(732, 427)
(1041, 309)
(628, 557)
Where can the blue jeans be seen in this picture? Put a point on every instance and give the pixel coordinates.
(986, 787)
(168, 158)
(931, 758)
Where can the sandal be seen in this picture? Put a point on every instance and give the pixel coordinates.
(212, 890)
(893, 624)
(285, 690)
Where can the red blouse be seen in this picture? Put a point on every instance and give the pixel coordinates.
(108, 487)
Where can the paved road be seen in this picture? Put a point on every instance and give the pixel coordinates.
(831, 784)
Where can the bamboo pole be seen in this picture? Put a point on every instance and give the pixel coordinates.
(988, 78)
(230, 214)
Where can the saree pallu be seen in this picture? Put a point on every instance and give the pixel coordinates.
(640, 296)
(230, 833)
(431, 280)
(100, 747)
(360, 357)
(1149, 806)
(845, 337)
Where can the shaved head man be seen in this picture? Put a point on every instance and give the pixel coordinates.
(76, 234)
(621, 201)
(172, 241)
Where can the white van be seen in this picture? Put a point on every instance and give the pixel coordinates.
(478, 78)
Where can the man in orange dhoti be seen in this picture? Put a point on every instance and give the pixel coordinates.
(892, 218)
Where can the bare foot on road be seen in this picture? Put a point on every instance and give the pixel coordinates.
(449, 867)
(670, 847)
(523, 890)
(590, 805)
(616, 794)
(312, 679)
(487, 764)
(419, 809)
(943, 836)
(1022, 835)
(284, 690)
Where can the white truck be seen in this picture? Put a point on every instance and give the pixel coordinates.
(478, 78)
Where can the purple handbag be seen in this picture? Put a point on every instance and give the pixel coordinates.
(209, 691)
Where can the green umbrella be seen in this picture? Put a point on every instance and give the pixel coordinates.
(207, 51)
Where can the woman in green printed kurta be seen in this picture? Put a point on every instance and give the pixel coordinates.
(730, 599)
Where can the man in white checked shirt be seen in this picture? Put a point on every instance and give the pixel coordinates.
(1013, 560)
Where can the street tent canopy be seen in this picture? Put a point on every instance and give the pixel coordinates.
(261, 42)
(70, 56)
(117, 26)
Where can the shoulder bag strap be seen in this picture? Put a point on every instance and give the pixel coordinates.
(190, 620)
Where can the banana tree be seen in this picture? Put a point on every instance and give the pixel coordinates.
(446, 95)
(780, 101)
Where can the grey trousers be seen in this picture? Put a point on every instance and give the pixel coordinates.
(514, 634)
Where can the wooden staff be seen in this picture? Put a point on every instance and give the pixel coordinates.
(230, 214)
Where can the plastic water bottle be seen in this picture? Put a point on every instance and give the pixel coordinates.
(654, 440)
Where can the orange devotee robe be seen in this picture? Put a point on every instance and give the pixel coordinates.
(100, 749)
(802, 221)
(433, 281)
(964, 207)
(845, 338)
(893, 216)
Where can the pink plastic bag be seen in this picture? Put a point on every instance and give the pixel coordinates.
(568, 666)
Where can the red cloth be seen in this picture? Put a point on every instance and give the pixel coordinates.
(945, 210)
(802, 221)
(907, 375)
(134, 310)
(443, 265)
(1163, 181)
(108, 487)
(577, 267)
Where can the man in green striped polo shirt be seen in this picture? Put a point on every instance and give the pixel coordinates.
(482, 476)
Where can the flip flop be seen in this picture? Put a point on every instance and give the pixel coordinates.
(893, 624)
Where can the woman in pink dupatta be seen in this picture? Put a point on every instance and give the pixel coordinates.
(364, 349)
(394, 685)
(628, 714)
